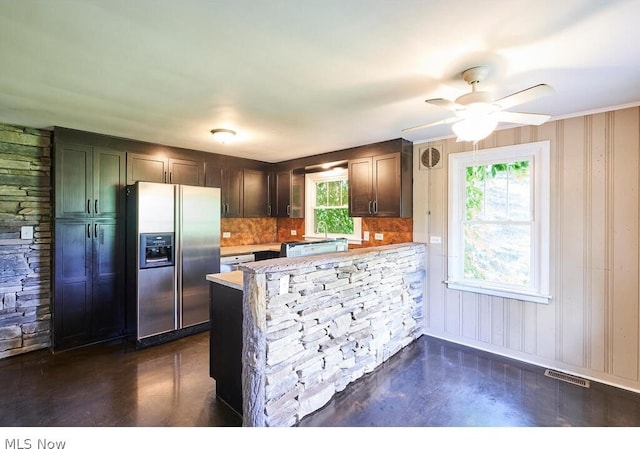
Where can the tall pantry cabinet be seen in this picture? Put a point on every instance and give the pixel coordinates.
(89, 296)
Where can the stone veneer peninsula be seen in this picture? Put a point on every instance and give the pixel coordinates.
(311, 325)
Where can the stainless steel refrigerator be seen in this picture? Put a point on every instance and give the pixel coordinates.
(173, 242)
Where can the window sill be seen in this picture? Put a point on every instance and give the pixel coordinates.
(531, 297)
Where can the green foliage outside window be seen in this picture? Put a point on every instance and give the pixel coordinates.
(338, 221)
(497, 223)
(332, 208)
(477, 176)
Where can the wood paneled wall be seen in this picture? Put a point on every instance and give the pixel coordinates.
(591, 325)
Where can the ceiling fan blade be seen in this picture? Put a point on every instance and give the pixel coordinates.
(521, 118)
(443, 103)
(439, 122)
(524, 96)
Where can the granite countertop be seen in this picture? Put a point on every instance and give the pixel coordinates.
(288, 263)
(233, 279)
(248, 249)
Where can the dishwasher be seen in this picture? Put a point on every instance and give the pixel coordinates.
(230, 263)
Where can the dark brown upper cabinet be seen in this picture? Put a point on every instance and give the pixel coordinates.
(152, 168)
(231, 192)
(89, 182)
(381, 186)
(283, 194)
(245, 192)
(256, 194)
(145, 167)
(289, 192)
(182, 171)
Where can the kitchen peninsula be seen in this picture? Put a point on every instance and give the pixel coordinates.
(311, 325)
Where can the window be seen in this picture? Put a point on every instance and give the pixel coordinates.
(499, 221)
(327, 206)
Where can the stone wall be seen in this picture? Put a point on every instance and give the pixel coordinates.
(313, 325)
(25, 264)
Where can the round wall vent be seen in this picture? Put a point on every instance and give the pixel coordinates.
(430, 157)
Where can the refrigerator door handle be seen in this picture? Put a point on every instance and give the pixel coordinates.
(178, 255)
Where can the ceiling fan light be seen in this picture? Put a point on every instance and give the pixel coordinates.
(475, 111)
(473, 129)
(223, 135)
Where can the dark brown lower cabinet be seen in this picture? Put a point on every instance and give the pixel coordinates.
(89, 297)
(225, 346)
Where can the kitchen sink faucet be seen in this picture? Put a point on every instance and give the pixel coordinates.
(325, 228)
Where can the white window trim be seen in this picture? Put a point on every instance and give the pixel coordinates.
(310, 200)
(540, 154)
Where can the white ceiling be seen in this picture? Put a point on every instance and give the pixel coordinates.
(300, 77)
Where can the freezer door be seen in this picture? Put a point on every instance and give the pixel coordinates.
(199, 250)
(155, 287)
(155, 207)
(156, 301)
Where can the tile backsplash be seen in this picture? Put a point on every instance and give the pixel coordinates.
(392, 230)
(248, 231)
(286, 225)
(253, 231)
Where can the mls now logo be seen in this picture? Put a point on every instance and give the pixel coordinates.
(27, 443)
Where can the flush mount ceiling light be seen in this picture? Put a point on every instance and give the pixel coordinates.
(223, 135)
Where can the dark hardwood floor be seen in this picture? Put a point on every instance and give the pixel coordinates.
(114, 385)
(431, 383)
(434, 383)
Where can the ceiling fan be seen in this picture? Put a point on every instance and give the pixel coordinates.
(477, 114)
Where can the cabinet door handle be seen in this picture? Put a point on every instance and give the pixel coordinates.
(95, 206)
(170, 177)
(375, 207)
(95, 231)
(269, 210)
(370, 212)
(164, 179)
(288, 210)
(88, 231)
(88, 206)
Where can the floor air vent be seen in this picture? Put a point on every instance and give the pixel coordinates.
(567, 378)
